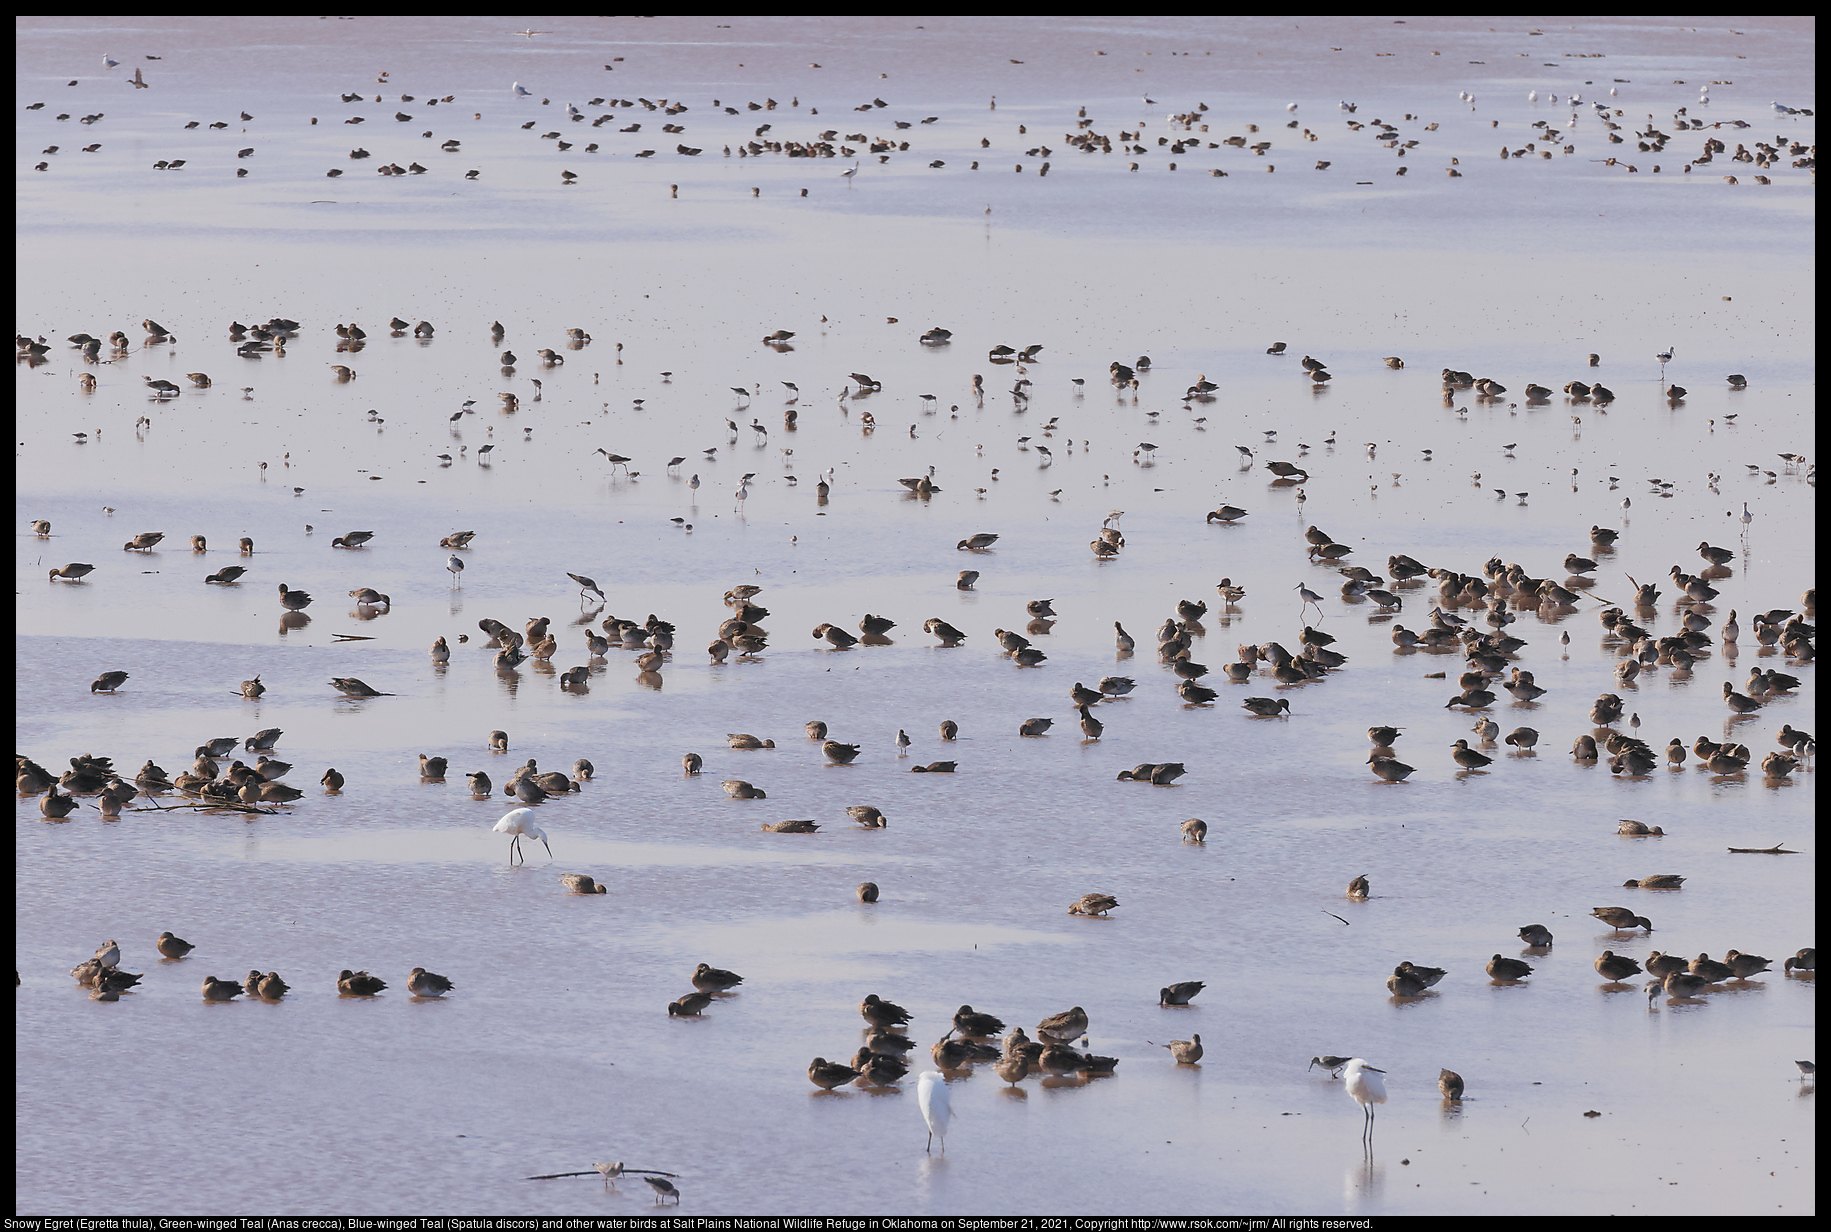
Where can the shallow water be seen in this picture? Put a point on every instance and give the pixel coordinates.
(555, 1050)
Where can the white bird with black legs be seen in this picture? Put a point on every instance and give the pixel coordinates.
(1366, 1087)
(520, 823)
(932, 1097)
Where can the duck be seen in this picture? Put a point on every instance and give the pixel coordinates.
(1404, 982)
(1267, 707)
(359, 983)
(1468, 758)
(1616, 967)
(1093, 904)
(1536, 935)
(1620, 918)
(708, 978)
(881, 1013)
(423, 983)
(1744, 965)
(1186, 1052)
(971, 1022)
(875, 1069)
(579, 883)
(1070, 1024)
(1659, 881)
(1711, 970)
(1180, 994)
(690, 1006)
(886, 1043)
(1508, 968)
(826, 1074)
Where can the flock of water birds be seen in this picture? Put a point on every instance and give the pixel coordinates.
(1187, 135)
(1471, 615)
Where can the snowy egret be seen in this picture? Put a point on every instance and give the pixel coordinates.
(931, 1095)
(1366, 1090)
(519, 822)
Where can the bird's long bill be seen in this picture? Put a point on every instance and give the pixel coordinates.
(548, 846)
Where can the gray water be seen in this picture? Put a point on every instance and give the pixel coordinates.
(555, 1051)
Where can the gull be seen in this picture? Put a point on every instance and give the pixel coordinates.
(522, 91)
(456, 566)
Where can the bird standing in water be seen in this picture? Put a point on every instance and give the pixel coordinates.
(932, 1096)
(1366, 1086)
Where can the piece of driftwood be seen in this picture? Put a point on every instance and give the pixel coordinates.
(205, 804)
(1775, 850)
